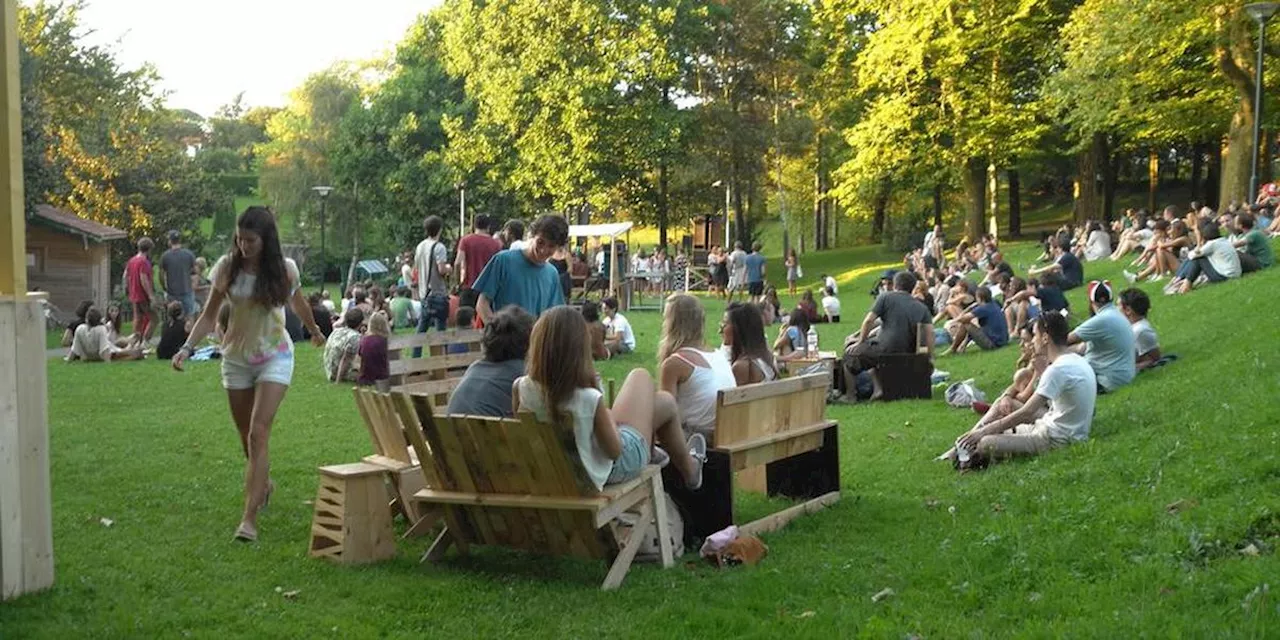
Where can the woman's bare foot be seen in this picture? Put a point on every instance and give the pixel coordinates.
(246, 533)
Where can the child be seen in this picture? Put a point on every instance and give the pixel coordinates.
(1135, 304)
(175, 332)
(830, 305)
(462, 321)
(375, 366)
(615, 444)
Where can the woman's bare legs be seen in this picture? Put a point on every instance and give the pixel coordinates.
(650, 412)
(241, 401)
(267, 399)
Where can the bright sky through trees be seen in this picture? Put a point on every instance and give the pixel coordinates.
(207, 52)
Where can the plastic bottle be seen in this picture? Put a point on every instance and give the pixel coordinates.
(812, 342)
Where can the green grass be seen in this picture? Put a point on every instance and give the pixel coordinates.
(1075, 543)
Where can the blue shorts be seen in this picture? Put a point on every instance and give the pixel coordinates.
(634, 458)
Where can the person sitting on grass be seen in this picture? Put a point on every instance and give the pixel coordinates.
(1097, 243)
(1162, 254)
(1213, 260)
(92, 344)
(402, 312)
(375, 362)
(619, 337)
(175, 331)
(792, 342)
(809, 306)
(899, 316)
(922, 292)
(1108, 340)
(1064, 264)
(960, 298)
(462, 321)
(82, 310)
(830, 306)
(614, 444)
(771, 307)
(693, 374)
(324, 317)
(1018, 310)
(1069, 390)
(342, 347)
(742, 331)
(591, 313)
(1252, 245)
(983, 324)
(485, 389)
(1135, 305)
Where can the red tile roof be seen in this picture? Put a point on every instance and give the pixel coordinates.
(71, 223)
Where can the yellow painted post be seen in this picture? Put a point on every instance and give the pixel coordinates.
(26, 526)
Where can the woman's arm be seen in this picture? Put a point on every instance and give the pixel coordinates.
(202, 327)
(605, 432)
(672, 372)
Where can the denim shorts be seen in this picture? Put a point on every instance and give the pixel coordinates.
(238, 375)
(634, 458)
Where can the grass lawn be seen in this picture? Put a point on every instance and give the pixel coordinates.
(1079, 542)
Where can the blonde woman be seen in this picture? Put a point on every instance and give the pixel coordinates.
(375, 363)
(689, 370)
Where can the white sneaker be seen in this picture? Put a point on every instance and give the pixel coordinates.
(698, 451)
(1129, 276)
(1156, 278)
(1201, 281)
(660, 457)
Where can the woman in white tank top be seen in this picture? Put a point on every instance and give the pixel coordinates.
(688, 370)
(751, 360)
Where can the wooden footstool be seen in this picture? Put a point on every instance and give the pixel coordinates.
(352, 524)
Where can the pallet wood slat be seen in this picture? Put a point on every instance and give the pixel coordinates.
(402, 341)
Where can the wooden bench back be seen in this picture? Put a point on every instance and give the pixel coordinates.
(383, 423)
(435, 372)
(766, 409)
(509, 457)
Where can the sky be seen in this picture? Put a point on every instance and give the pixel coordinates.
(207, 52)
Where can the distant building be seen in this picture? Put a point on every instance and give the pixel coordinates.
(69, 257)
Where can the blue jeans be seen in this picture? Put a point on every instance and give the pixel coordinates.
(188, 301)
(435, 311)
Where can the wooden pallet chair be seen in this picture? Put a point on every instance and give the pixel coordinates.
(773, 438)
(391, 451)
(520, 484)
(436, 372)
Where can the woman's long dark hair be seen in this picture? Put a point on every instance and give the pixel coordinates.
(748, 334)
(272, 287)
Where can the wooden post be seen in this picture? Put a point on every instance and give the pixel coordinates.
(26, 528)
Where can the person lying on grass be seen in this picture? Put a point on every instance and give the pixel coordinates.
(1135, 305)
(1064, 400)
(1107, 340)
(614, 444)
(983, 324)
(485, 389)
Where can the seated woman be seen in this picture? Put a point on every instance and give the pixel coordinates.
(923, 293)
(750, 358)
(1097, 242)
(960, 300)
(691, 373)
(175, 331)
(1134, 238)
(485, 389)
(81, 311)
(1017, 303)
(792, 342)
(92, 344)
(1160, 256)
(809, 306)
(591, 313)
(772, 307)
(614, 445)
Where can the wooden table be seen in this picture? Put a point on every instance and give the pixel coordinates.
(793, 367)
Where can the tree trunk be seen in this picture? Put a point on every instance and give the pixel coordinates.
(937, 205)
(1015, 204)
(993, 198)
(1153, 179)
(1088, 163)
(1111, 167)
(879, 207)
(975, 191)
(1197, 164)
(663, 183)
(835, 222)
(819, 222)
(355, 239)
(1213, 176)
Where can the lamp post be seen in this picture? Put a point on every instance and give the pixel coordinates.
(1260, 11)
(725, 184)
(324, 198)
(462, 207)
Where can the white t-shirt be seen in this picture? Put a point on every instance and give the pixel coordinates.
(328, 304)
(1071, 388)
(1098, 246)
(406, 274)
(831, 284)
(1144, 337)
(1222, 257)
(430, 280)
(621, 326)
(519, 245)
(738, 260)
(92, 343)
(1144, 237)
(831, 305)
(582, 406)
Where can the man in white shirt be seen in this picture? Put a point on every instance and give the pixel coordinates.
(1068, 388)
(1135, 304)
(619, 337)
(830, 283)
(831, 306)
(1213, 260)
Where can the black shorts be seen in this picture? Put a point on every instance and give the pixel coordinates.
(862, 356)
(755, 288)
(930, 261)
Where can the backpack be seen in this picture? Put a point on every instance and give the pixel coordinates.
(963, 394)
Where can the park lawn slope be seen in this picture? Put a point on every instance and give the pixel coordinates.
(1138, 531)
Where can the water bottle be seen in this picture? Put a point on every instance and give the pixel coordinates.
(812, 342)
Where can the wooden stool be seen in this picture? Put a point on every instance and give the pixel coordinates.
(352, 524)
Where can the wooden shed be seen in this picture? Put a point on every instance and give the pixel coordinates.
(69, 257)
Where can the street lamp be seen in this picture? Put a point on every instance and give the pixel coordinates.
(725, 184)
(324, 198)
(462, 207)
(1260, 11)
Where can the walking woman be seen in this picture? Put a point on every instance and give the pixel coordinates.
(255, 280)
(793, 271)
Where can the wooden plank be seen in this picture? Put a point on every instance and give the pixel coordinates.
(417, 420)
(434, 364)
(13, 221)
(390, 433)
(752, 392)
(745, 445)
(455, 454)
(402, 341)
(429, 388)
(757, 457)
(516, 461)
(780, 519)
(518, 501)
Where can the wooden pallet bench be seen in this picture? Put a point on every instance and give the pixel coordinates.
(436, 373)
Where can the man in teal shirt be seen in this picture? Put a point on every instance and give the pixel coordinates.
(1253, 245)
(1109, 337)
(522, 277)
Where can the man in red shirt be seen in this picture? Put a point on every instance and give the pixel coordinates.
(474, 252)
(138, 283)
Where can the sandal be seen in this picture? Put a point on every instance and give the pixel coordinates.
(245, 534)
